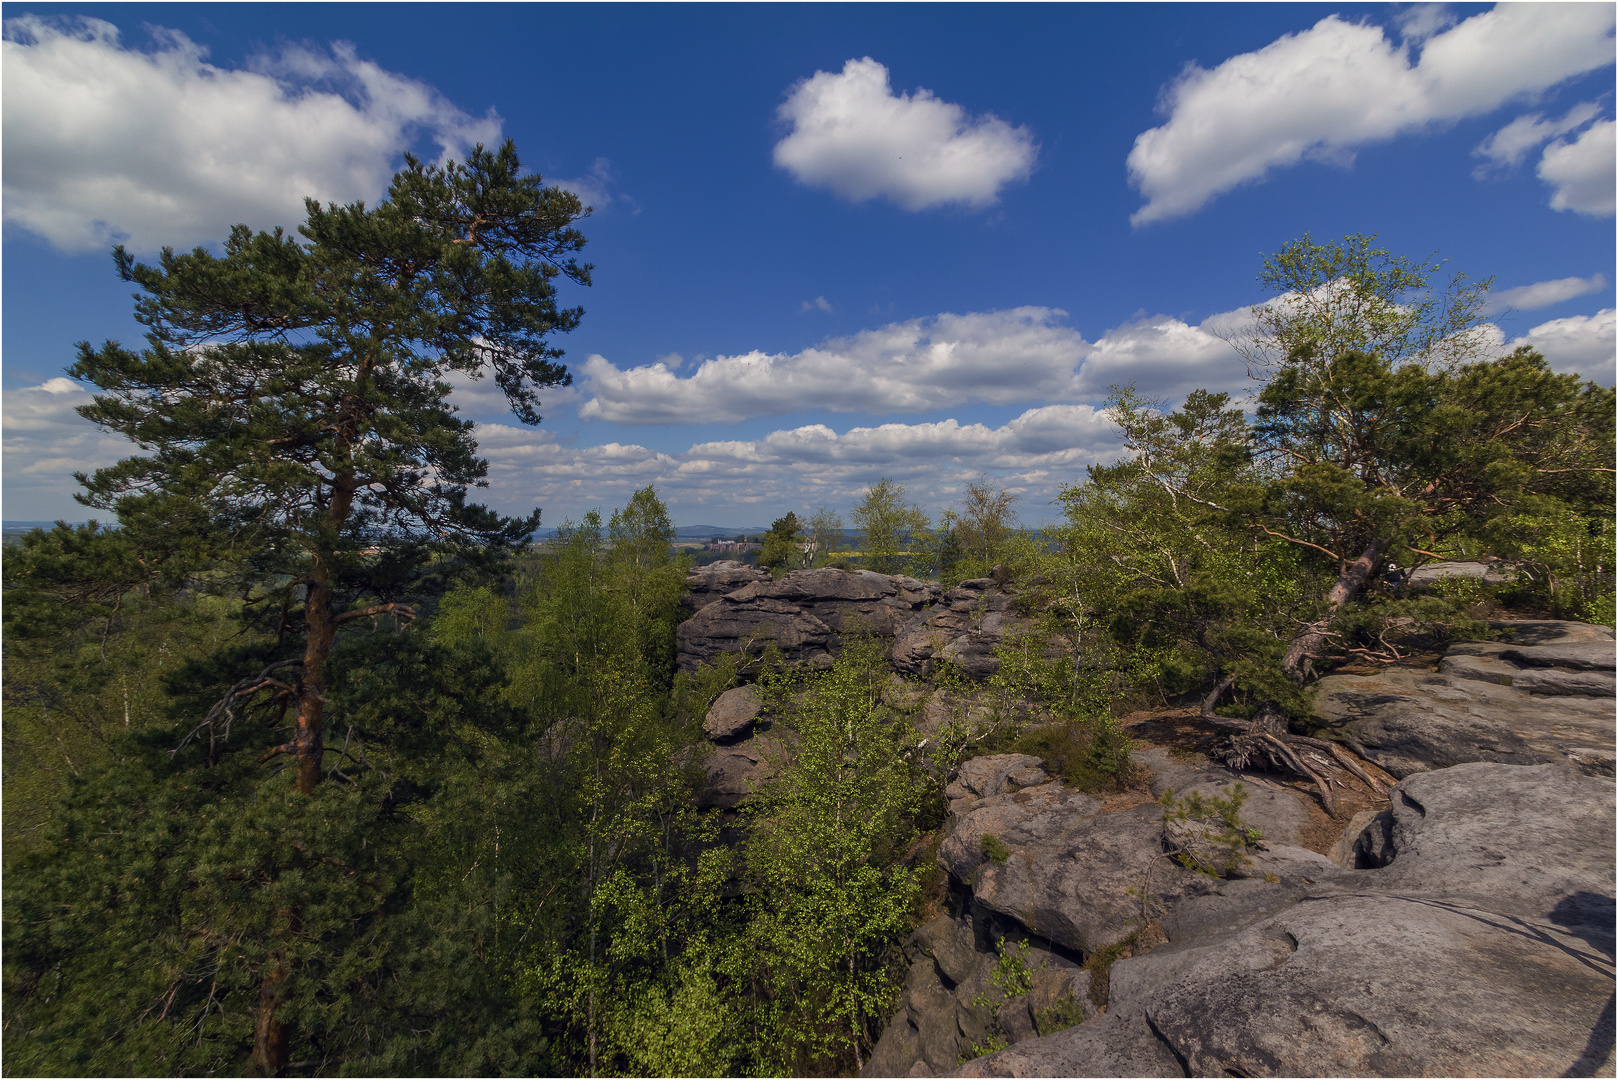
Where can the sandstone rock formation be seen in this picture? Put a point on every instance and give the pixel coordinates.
(738, 772)
(708, 583)
(741, 755)
(1543, 695)
(732, 714)
(740, 609)
(1073, 883)
(1483, 948)
(1490, 573)
(803, 613)
(964, 629)
(1468, 928)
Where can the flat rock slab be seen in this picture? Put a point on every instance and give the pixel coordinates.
(1389, 986)
(1485, 947)
(1541, 697)
(1578, 654)
(1518, 840)
(1113, 1045)
(1490, 573)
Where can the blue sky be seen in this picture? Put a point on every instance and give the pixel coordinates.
(833, 243)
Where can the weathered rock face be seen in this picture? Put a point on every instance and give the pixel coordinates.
(964, 628)
(740, 609)
(708, 583)
(732, 714)
(1546, 695)
(1073, 880)
(743, 755)
(1070, 867)
(1466, 929)
(1484, 947)
(739, 771)
(939, 1020)
(803, 614)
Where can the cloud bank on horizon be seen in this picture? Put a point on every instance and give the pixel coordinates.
(158, 146)
(1036, 453)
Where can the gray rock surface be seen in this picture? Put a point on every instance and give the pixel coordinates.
(1515, 840)
(1545, 695)
(939, 1019)
(1112, 1045)
(1071, 867)
(1483, 947)
(736, 772)
(1491, 573)
(1387, 986)
(803, 614)
(705, 584)
(732, 714)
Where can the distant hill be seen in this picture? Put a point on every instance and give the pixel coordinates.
(693, 532)
(18, 527)
(684, 532)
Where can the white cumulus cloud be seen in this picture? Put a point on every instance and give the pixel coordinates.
(1511, 144)
(106, 143)
(850, 133)
(595, 188)
(1323, 92)
(1545, 293)
(1007, 357)
(1584, 344)
(1034, 454)
(45, 442)
(1583, 171)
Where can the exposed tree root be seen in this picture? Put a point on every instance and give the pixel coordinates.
(1265, 738)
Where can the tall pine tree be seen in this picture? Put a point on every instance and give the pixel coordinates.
(294, 405)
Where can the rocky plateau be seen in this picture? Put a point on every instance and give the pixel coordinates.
(1461, 924)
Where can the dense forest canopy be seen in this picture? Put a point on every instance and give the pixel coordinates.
(313, 766)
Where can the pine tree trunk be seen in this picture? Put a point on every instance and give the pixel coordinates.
(1303, 648)
(1268, 734)
(271, 1037)
(311, 693)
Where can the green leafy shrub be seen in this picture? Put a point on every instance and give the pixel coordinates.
(1059, 1017)
(1013, 979)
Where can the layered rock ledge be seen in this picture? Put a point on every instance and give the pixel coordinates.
(1464, 928)
(742, 610)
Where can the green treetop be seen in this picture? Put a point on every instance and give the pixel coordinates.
(888, 523)
(781, 543)
(294, 400)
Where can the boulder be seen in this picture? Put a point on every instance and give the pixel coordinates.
(732, 714)
(1546, 695)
